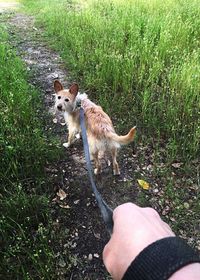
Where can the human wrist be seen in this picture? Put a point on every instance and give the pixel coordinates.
(161, 259)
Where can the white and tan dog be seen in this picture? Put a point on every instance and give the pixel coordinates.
(101, 135)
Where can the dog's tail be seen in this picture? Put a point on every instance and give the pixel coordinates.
(123, 139)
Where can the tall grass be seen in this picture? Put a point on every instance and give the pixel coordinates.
(21, 141)
(140, 59)
(25, 219)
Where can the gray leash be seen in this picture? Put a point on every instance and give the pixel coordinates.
(106, 211)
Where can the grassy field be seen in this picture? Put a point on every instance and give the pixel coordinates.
(25, 220)
(139, 59)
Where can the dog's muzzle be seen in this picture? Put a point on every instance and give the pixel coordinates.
(59, 107)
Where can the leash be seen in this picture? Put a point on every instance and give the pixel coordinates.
(106, 211)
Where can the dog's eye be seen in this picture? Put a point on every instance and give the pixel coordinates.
(66, 99)
(59, 97)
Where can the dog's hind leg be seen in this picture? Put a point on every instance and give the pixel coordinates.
(116, 170)
(97, 163)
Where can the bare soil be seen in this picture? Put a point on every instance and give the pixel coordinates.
(81, 233)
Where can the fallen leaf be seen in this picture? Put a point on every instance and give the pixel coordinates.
(61, 194)
(76, 201)
(155, 191)
(143, 184)
(64, 206)
(177, 164)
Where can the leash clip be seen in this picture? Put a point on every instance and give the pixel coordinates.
(78, 104)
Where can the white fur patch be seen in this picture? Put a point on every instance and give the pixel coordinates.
(81, 96)
(78, 136)
(66, 145)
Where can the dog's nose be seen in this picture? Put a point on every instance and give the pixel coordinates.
(59, 107)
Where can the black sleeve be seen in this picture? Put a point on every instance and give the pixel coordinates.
(161, 259)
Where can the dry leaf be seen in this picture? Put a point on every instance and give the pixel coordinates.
(64, 206)
(177, 164)
(76, 201)
(61, 194)
(143, 184)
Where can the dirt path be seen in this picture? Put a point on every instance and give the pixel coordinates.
(77, 221)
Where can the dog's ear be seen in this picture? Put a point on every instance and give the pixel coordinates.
(57, 86)
(74, 89)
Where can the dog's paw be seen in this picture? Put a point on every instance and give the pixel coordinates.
(66, 145)
(97, 171)
(116, 172)
(78, 136)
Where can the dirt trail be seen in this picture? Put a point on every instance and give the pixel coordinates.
(84, 232)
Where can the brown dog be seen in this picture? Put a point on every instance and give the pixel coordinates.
(101, 135)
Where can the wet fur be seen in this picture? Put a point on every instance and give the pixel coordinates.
(101, 135)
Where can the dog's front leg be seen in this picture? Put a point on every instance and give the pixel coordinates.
(71, 137)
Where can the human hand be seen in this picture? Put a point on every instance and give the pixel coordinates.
(134, 229)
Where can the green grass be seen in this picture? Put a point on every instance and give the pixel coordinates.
(139, 59)
(25, 220)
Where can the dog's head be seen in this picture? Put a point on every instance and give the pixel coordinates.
(65, 98)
